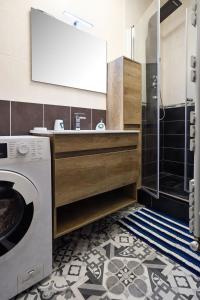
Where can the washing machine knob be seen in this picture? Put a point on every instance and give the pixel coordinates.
(23, 149)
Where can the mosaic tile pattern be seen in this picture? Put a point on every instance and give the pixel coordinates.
(103, 261)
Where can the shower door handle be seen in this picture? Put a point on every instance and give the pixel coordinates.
(190, 68)
(185, 149)
(196, 231)
(186, 104)
(188, 143)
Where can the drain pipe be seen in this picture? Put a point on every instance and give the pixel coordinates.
(195, 183)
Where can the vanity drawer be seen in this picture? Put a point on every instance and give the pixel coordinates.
(84, 142)
(80, 177)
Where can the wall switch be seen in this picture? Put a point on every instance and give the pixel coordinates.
(191, 186)
(193, 75)
(191, 212)
(192, 117)
(194, 19)
(194, 5)
(191, 225)
(193, 62)
(192, 131)
(191, 199)
(192, 144)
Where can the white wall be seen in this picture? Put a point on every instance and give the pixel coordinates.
(141, 33)
(111, 19)
(15, 63)
(173, 69)
(134, 10)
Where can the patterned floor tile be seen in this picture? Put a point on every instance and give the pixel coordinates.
(73, 271)
(164, 292)
(124, 277)
(30, 294)
(103, 261)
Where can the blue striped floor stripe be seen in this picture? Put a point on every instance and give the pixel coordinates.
(158, 224)
(165, 234)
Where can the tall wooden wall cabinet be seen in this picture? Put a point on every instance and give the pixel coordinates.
(124, 104)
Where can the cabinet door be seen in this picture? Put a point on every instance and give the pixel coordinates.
(132, 92)
(84, 142)
(80, 177)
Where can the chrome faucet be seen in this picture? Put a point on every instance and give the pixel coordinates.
(79, 117)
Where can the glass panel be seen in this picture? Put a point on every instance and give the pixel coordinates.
(11, 208)
(9, 219)
(191, 44)
(148, 30)
(177, 94)
(15, 217)
(66, 56)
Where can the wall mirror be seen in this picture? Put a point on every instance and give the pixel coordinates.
(64, 55)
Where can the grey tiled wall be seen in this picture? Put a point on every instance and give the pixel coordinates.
(17, 118)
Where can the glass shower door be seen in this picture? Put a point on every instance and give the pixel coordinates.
(190, 93)
(151, 103)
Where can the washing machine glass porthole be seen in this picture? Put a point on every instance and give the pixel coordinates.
(15, 217)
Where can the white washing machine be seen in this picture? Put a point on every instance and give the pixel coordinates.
(25, 213)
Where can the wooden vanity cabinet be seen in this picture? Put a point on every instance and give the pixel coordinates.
(124, 94)
(93, 175)
(124, 97)
(83, 176)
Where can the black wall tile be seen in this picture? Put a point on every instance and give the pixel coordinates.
(190, 157)
(151, 128)
(143, 112)
(174, 141)
(25, 116)
(149, 169)
(162, 153)
(150, 141)
(161, 127)
(174, 127)
(97, 116)
(175, 113)
(162, 141)
(4, 117)
(53, 112)
(144, 198)
(172, 150)
(190, 171)
(174, 167)
(149, 156)
(174, 154)
(85, 124)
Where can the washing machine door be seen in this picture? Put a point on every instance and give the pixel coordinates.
(18, 198)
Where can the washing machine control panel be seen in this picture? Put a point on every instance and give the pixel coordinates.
(23, 149)
(28, 149)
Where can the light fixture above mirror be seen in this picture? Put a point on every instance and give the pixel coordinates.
(77, 21)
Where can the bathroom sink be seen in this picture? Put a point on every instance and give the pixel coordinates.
(50, 132)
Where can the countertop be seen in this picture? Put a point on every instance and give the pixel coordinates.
(51, 132)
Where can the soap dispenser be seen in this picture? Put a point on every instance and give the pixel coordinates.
(101, 125)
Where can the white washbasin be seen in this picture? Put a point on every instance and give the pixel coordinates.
(81, 131)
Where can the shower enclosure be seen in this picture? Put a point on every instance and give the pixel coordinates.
(168, 100)
(151, 101)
